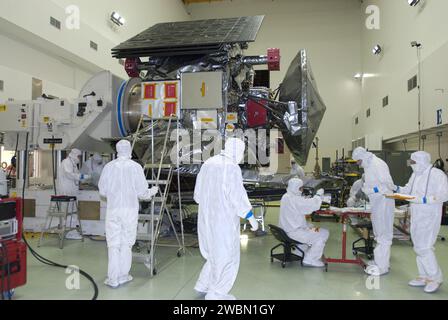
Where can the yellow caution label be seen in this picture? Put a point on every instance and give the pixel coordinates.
(46, 119)
(206, 119)
(2, 107)
(231, 117)
(230, 127)
(23, 123)
(203, 89)
(150, 110)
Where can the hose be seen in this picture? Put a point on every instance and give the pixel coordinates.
(33, 252)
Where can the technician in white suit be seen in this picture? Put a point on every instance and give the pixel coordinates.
(222, 201)
(378, 183)
(294, 208)
(429, 186)
(122, 183)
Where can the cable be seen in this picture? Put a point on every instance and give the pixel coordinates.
(8, 273)
(15, 155)
(33, 252)
(53, 167)
(439, 164)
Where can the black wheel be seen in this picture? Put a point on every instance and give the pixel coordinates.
(283, 265)
(179, 254)
(154, 271)
(370, 257)
(272, 260)
(443, 238)
(355, 252)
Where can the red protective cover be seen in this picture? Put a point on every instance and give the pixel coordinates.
(150, 91)
(170, 108)
(257, 116)
(170, 91)
(17, 265)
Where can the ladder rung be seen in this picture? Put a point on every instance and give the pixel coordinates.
(143, 237)
(155, 166)
(156, 199)
(157, 181)
(142, 256)
(147, 217)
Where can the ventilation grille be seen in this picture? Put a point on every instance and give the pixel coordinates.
(368, 113)
(94, 45)
(55, 23)
(412, 83)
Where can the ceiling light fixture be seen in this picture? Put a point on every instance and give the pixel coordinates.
(116, 18)
(377, 49)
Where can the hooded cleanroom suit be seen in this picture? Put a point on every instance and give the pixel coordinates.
(378, 183)
(222, 201)
(429, 186)
(355, 199)
(68, 175)
(293, 210)
(93, 167)
(122, 183)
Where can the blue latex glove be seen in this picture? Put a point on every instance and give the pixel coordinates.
(85, 177)
(249, 214)
(419, 200)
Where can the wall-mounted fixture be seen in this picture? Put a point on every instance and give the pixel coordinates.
(117, 19)
(413, 3)
(377, 49)
(418, 47)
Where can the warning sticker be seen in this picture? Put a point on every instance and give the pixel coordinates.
(2, 107)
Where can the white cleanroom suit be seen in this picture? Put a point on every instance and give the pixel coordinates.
(429, 186)
(356, 194)
(69, 176)
(378, 183)
(122, 183)
(93, 167)
(222, 201)
(293, 210)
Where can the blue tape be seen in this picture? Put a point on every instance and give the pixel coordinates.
(120, 120)
(425, 200)
(250, 214)
(376, 190)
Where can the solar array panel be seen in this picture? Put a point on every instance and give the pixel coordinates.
(189, 37)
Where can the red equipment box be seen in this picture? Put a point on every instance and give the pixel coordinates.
(13, 265)
(13, 259)
(257, 116)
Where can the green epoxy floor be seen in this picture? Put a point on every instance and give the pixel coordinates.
(257, 278)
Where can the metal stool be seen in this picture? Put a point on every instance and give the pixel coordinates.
(368, 247)
(61, 207)
(259, 216)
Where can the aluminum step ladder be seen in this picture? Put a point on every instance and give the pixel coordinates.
(159, 207)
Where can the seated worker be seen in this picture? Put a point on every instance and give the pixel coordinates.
(357, 197)
(93, 167)
(293, 209)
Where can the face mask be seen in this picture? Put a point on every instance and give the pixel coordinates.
(417, 168)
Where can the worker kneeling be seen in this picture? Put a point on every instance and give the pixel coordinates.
(123, 183)
(293, 209)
